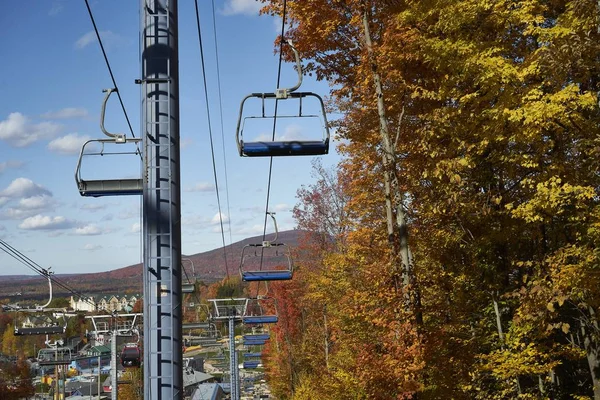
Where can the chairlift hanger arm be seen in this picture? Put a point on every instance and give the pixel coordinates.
(272, 215)
(283, 93)
(118, 137)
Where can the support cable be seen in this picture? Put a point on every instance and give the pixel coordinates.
(112, 76)
(23, 259)
(221, 116)
(212, 148)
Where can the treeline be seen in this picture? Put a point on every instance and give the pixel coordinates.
(454, 252)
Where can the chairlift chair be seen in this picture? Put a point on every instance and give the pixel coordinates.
(54, 356)
(263, 336)
(108, 187)
(266, 261)
(251, 364)
(252, 355)
(249, 343)
(256, 313)
(188, 285)
(274, 148)
(261, 319)
(43, 320)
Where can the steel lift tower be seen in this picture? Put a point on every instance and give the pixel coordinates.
(163, 364)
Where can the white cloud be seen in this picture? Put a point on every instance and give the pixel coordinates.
(253, 209)
(35, 202)
(68, 144)
(19, 131)
(244, 7)
(44, 222)
(29, 206)
(201, 187)
(23, 187)
(109, 40)
(217, 228)
(10, 164)
(282, 207)
(250, 230)
(57, 7)
(66, 113)
(186, 143)
(108, 217)
(194, 221)
(93, 207)
(131, 212)
(216, 220)
(92, 247)
(290, 133)
(135, 228)
(88, 230)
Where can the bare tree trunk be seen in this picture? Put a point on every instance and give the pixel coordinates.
(501, 333)
(397, 232)
(498, 320)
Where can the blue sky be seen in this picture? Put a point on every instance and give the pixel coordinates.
(52, 78)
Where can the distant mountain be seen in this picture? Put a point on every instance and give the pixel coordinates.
(209, 267)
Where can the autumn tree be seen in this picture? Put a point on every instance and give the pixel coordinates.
(477, 124)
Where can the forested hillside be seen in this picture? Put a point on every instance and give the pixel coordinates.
(465, 214)
(209, 267)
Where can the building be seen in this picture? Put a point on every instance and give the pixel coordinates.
(83, 304)
(107, 304)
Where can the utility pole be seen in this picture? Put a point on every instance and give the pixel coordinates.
(163, 364)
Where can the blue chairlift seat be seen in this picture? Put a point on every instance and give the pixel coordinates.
(251, 364)
(260, 319)
(252, 355)
(254, 342)
(254, 276)
(263, 336)
(290, 148)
